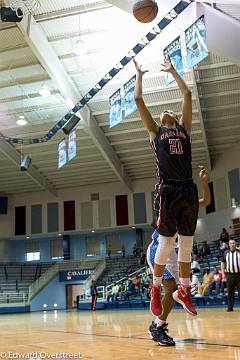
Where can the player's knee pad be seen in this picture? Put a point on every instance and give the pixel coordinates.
(185, 244)
(165, 246)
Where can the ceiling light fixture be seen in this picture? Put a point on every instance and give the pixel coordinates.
(44, 91)
(21, 120)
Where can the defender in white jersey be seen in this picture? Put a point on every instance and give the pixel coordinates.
(158, 328)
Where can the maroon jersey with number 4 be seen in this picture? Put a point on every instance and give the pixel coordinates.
(172, 149)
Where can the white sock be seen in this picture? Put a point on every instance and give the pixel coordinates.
(157, 281)
(159, 322)
(185, 281)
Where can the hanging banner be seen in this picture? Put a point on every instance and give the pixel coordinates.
(62, 153)
(173, 52)
(129, 101)
(115, 102)
(196, 42)
(72, 145)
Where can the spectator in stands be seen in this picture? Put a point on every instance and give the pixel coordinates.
(223, 285)
(127, 281)
(146, 281)
(199, 256)
(223, 247)
(203, 287)
(137, 282)
(135, 249)
(114, 293)
(142, 258)
(215, 281)
(195, 248)
(109, 250)
(224, 236)
(194, 282)
(131, 290)
(205, 248)
(94, 294)
(140, 250)
(195, 265)
(123, 250)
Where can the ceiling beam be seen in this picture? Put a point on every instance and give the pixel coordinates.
(163, 104)
(203, 131)
(14, 156)
(215, 65)
(223, 139)
(76, 10)
(226, 128)
(220, 78)
(221, 107)
(148, 91)
(222, 32)
(137, 119)
(221, 93)
(227, 118)
(137, 130)
(127, 5)
(37, 40)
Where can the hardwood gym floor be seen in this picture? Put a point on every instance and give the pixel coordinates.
(120, 335)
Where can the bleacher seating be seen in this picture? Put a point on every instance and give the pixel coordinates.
(15, 280)
(117, 268)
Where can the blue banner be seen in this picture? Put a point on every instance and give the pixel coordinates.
(62, 153)
(72, 145)
(173, 52)
(129, 101)
(115, 102)
(196, 42)
(75, 275)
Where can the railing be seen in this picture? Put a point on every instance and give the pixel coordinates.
(41, 282)
(108, 288)
(13, 298)
(104, 291)
(35, 287)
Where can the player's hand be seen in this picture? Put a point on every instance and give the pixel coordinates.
(139, 68)
(167, 66)
(203, 174)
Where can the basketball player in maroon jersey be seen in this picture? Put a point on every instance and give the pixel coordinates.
(159, 328)
(176, 196)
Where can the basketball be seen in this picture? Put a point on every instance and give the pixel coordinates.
(145, 11)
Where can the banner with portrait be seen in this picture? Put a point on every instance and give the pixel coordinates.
(62, 153)
(196, 42)
(129, 101)
(72, 145)
(115, 114)
(173, 52)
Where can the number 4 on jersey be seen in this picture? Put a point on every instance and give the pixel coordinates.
(175, 146)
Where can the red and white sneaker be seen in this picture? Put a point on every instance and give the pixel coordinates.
(156, 301)
(183, 296)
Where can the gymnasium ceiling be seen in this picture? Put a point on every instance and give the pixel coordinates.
(123, 153)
